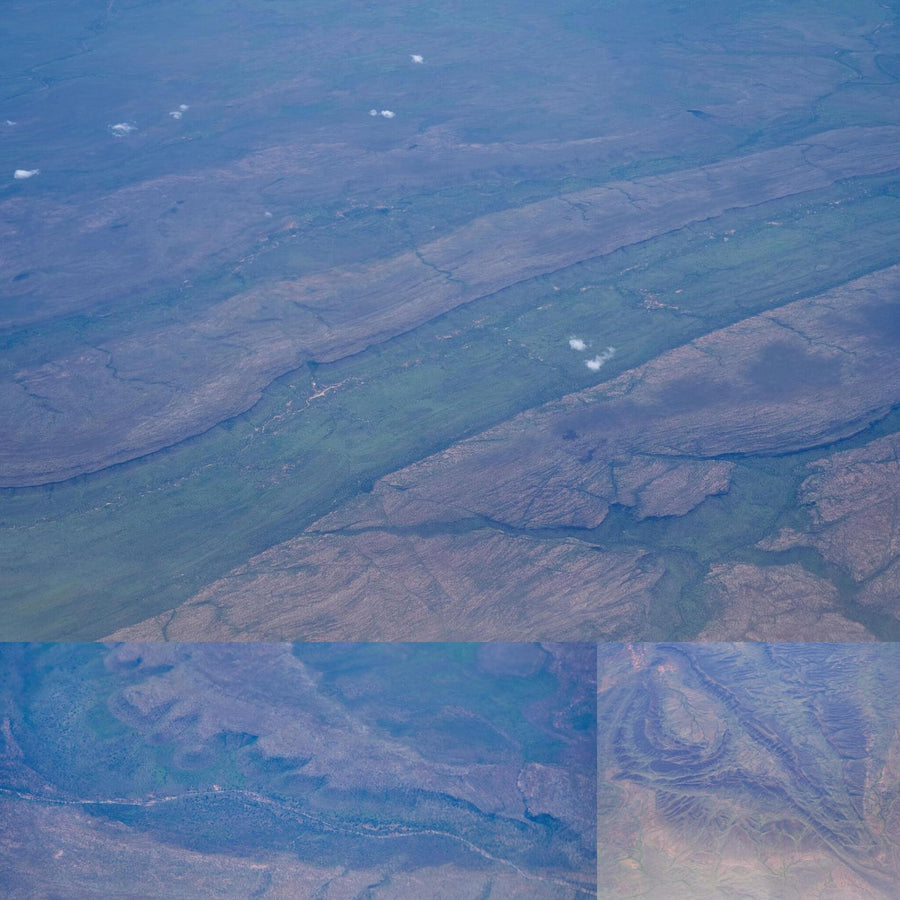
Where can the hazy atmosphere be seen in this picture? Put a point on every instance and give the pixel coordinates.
(298, 771)
(449, 321)
(749, 770)
(449, 449)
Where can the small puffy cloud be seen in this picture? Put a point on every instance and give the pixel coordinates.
(600, 359)
(21, 174)
(388, 113)
(416, 58)
(122, 128)
(373, 112)
(176, 114)
(183, 107)
(577, 344)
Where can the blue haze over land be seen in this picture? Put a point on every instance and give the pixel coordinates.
(757, 770)
(271, 770)
(275, 367)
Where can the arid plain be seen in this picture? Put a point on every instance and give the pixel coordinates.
(581, 326)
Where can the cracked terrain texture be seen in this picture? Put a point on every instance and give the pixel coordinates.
(275, 368)
(286, 771)
(749, 770)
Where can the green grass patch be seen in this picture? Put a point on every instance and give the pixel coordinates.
(97, 552)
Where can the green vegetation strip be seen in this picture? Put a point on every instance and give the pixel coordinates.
(87, 556)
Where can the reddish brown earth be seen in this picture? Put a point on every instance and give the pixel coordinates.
(776, 603)
(158, 387)
(498, 516)
(854, 502)
(749, 770)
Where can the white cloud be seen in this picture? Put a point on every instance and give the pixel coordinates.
(20, 174)
(577, 344)
(183, 107)
(598, 361)
(388, 113)
(176, 114)
(122, 128)
(416, 58)
(373, 112)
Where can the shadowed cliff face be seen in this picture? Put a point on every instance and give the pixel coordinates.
(278, 770)
(767, 769)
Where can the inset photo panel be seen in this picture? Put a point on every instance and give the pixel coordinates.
(298, 771)
(758, 771)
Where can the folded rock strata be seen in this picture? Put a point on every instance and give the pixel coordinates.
(153, 389)
(499, 517)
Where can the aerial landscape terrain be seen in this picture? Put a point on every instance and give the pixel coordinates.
(450, 321)
(323, 771)
(749, 770)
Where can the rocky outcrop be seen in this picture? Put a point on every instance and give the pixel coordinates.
(775, 603)
(491, 539)
(154, 389)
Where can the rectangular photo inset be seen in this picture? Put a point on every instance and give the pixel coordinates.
(755, 770)
(298, 770)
